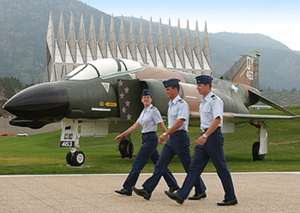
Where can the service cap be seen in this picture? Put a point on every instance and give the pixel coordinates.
(204, 79)
(146, 92)
(171, 82)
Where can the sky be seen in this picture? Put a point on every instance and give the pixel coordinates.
(279, 20)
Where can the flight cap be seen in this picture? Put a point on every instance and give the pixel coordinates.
(146, 92)
(171, 82)
(204, 79)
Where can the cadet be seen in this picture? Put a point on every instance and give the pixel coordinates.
(149, 118)
(177, 144)
(209, 145)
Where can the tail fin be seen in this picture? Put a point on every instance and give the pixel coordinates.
(245, 70)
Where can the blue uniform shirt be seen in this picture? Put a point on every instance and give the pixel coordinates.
(178, 109)
(210, 108)
(149, 119)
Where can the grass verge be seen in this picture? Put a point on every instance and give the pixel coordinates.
(41, 154)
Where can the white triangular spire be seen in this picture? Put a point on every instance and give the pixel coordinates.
(61, 40)
(112, 39)
(141, 42)
(197, 49)
(150, 45)
(50, 42)
(205, 47)
(102, 39)
(82, 40)
(178, 46)
(92, 39)
(160, 45)
(72, 39)
(122, 40)
(50, 36)
(189, 62)
(131, 41)
(169, 48)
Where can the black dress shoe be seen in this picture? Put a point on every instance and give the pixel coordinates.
(142, 192)
(173, 188)
(228, 202)
(124, 192)
(198, 196)
(175, 196)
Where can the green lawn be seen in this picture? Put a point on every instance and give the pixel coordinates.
(41, 154)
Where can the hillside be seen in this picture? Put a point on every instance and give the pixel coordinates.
(283, 98)
(8, 87)
(24, 24)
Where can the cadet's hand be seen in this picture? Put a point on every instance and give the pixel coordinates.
(201, 140)
(119, 137)
(161, 139)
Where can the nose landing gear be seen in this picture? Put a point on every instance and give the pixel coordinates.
(75, 158)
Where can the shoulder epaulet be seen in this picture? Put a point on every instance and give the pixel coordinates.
(213, 97)
(181, 100)
(153, 107)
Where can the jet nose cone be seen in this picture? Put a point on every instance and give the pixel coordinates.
(47, 102)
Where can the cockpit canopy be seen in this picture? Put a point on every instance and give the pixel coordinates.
(103, 68)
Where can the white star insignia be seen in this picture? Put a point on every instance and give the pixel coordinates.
(234, 88)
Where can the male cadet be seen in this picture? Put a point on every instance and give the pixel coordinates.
(209, 145)
(177, 144)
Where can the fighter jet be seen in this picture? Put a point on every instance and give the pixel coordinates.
(103, 96)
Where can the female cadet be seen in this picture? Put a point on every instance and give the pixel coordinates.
(149, 118)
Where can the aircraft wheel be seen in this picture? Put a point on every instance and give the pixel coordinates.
(68, 158)
(78, 158)
(255, 151)
(126, 148)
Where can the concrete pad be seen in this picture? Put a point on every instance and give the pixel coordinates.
(256, 192)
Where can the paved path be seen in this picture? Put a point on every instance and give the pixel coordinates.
(256, 192)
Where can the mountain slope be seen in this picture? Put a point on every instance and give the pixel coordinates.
(24, 24)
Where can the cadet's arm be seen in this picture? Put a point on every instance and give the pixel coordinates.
(173, 129)
(214, 125)
(175, 126)
(162, 126)
(128, 131)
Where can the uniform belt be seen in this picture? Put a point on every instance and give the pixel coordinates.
(207, 128)
(148, 133)
(179, 131)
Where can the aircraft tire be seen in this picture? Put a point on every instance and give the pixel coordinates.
(78, 158)
(255, 151)
(126, 149)
(68, 158)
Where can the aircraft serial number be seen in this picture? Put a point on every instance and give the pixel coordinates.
(67, 143)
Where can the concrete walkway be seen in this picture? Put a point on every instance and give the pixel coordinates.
(256, 192)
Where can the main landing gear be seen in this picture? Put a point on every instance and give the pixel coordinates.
(126, 147)
(255, 152)
(259, 148)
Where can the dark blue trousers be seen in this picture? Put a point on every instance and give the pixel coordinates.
(147, 151)
(213, 148)
(178, 144)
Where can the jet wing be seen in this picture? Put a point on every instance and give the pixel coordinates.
(246, 118)
(270, 103)
(232, 120)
